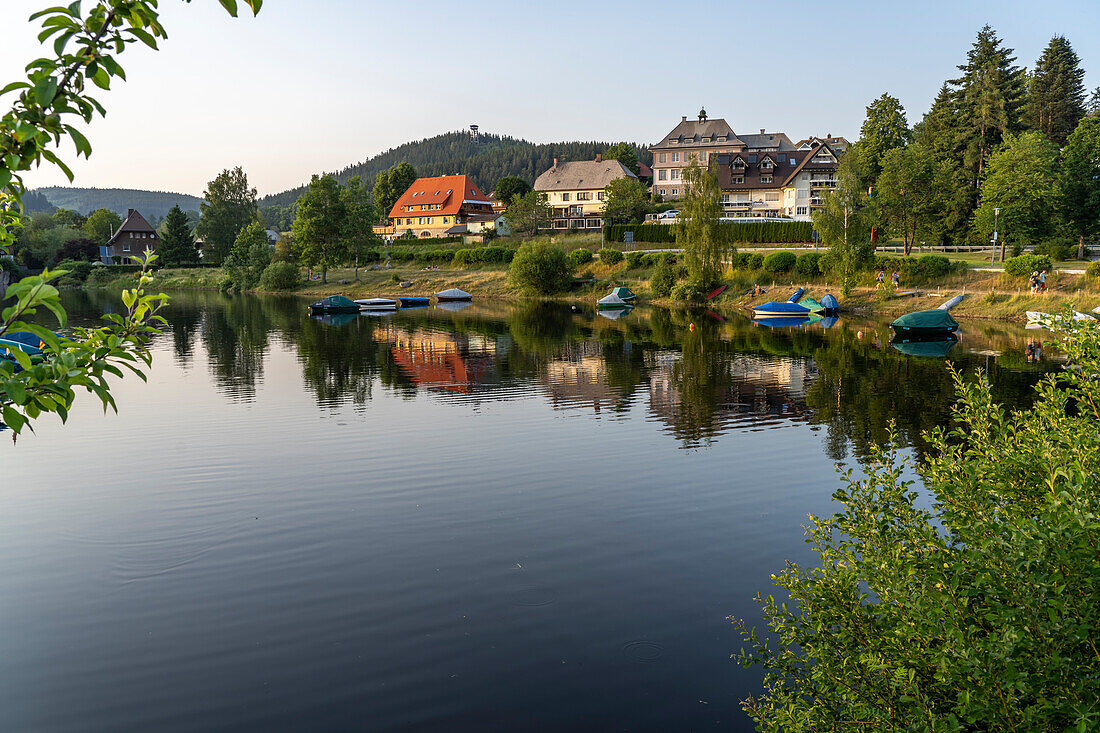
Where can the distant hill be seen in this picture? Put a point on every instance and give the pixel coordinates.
(486, 160)
(152, 204)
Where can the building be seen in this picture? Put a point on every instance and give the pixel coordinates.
(839, 145)
(576, 190)
(432, 206)
(782, 184)
(130, 240)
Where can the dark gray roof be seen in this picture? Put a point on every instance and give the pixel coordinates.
(134, 222)
(768, 140)
(695, 132)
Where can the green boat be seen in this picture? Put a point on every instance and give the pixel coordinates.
(617, 298)
(925, 323)
(812, 304)
(334, 304)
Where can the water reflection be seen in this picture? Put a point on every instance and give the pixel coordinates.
(700, 375)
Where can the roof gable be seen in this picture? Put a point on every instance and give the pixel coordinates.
(135, 223)
(445, 194)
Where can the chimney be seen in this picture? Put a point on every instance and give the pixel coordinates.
(599, 157)
(828, 134)
(684, 118)
(761, 130)
(129, 213)
(555, 162)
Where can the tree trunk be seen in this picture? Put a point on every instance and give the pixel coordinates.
(1003, 243)
(1081, 247)
(324, 275)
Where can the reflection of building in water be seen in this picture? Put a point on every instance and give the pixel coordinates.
(748, 392)
(452, 362)
(578, 378)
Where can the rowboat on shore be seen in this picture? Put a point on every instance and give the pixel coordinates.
(453, 295)
(617, 298)
(788, 309)
(377, 304)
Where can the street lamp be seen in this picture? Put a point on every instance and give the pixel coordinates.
(993, 254)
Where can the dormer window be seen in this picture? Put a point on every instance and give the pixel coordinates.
(766, 164)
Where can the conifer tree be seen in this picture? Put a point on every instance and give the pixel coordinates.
(177, 246)
(1056, 92)
(884, 128)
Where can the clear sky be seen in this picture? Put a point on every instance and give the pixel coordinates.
(315, 85)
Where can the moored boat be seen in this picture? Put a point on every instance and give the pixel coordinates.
(377, 304)
(453, 295)
(334, 304)
(787, 321)
(776, 309)
(923, 323)
(617, 298)
(414, 301)
(828, 302)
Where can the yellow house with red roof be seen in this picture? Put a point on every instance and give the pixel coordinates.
(441, 206)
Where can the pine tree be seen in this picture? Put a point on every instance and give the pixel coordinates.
(177, 246)
(1056, 92)
(884, 128)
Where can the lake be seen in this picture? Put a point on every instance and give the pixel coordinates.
(505, 517)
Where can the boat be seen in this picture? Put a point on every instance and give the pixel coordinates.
(1049, 319)
(417, 301)
(812, 304)
(935, 346)
(828, 302)
(776, 309)
(922, 323)
(377, 304)
(716, 292)
(953, 302)
(617, 298)
(30, 344)
(334, 304)
(787, 321)
(453, 295)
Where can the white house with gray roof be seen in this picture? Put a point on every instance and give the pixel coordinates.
(575, 190)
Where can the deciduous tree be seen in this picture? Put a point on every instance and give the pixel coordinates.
(1080, 181)
(625, 153)
(842, 223)
(249, 257)
(625, 200)
(509, 186)
(390, 185)
(101, 224)
(704, 243)
(528, 213)
(359, 219)
(319, 226)
(229, 206)
(1022, 181)
(910, 194)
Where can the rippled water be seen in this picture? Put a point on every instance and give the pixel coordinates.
(519, 517)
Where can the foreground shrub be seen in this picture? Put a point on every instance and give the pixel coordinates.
(808, 264)
(280, 276)
(756, 261)
(663, 280)
(579, 257)
(780, 262)
(540, 268)
(610, 256)
(975, 599)
(634, 259)
(932, 266)
(654, 259)
(690, 291)
(1024, 265)
(1093, 270)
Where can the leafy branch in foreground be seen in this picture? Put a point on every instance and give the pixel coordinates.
(53, 95)
(980, 612)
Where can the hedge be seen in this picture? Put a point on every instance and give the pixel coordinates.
(1024, 265)
(578, 257)
(808, 264)
(765, 232)
(483, 255)
(780, 262)
(610, 256)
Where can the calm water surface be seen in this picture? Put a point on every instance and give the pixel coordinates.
(499, 518)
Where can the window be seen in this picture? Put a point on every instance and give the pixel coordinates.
(737, 179)
(702, 157)
(675, 174)
(445, 220)
(771, 196)
(802, 210)
(765, 179)
(767, 165)
(565, 197)
(674, 192)
(600, 195)
(662, 174)
(584, 196)
(661, 158)
(675, 157)
(592, 223)
(126, 247)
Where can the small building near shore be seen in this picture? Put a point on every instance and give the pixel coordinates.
(431, 207)
(130, 240)
(575, 190)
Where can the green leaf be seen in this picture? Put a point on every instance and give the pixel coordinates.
(145, 37)
(13, 86)
(231, 6)
(45, 90)
(13, 419)
(81, 142)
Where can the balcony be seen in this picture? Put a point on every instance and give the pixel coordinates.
(823, 184)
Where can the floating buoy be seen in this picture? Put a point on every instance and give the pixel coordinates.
(691, 326)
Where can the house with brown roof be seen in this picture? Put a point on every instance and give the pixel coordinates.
(437, 206)
(130, 240)
(775, 184)
(575, 190)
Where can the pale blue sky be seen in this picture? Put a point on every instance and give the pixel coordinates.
(313, 85)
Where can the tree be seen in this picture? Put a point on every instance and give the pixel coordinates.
(884, 128)
(67, 218)
(842, 223)
(539, 268)
(229, 205)
(86, 47)
(101, 224)
(625, 153)
(969, 605)
(177, 244)
(1094, 103)
(80, 249)
(625, 200)
(509, 186)
(528, 213)
(1056, 92)
(1080, 181)
(1022, 181)
(359, 219)
(910, 195)
(704, 243)
(319, 226)
(249, 257)
(390, 185)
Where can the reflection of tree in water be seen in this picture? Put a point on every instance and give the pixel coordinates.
(236, 339)
(624, 362)
(540, 328)
(338, 361)
(184, 318)
(700, 378)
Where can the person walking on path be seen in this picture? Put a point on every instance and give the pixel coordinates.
(895, 279)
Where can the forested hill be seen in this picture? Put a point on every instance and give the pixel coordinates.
(151, 204)
(487, 160)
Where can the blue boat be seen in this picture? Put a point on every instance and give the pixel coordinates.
(414, 302)
(775, 309)
(25, 341)
(828, 302)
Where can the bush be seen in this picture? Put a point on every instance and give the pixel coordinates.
(463, 257)
(634, 259)
(780, 262)
(1024, 265)
(1093, 270)
(78, 271)
(780, 232)
(691, 291)
(655, 259)
(933, 265)
(663, 280)
(1057, 248)
(610, 256)
(435, 256)
(808, 264)
(540, 268)
(757, 261)
(280, 276)
(578, 257)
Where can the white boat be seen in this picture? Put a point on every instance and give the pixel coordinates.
(952, 303)
(1049, 319)
(377, 304)
(452, 295)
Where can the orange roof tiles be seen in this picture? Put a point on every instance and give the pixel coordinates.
(448, 192)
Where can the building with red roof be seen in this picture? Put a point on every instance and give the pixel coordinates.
(432, 206)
